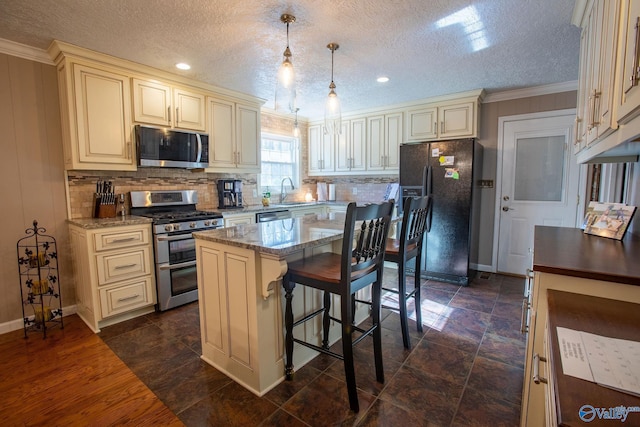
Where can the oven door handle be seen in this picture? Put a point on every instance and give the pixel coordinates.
(174, 266)
(176, 237)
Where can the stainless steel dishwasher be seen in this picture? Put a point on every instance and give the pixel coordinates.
(273, 215)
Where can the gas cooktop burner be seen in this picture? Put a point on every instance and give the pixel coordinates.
(169, 217)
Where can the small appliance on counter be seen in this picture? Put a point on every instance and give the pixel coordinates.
(229, 193)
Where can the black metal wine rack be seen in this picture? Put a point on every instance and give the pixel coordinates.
(39, 281)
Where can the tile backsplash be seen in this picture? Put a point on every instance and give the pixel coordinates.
(82, 186)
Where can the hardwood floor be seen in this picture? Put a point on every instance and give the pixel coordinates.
(72, 378)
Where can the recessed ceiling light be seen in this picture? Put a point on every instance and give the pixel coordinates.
(183, 66)
(383, 79)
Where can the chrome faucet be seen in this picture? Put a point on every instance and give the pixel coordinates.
(283, 195)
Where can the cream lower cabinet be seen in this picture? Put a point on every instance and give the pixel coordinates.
(535, 397)
(241, 313)
(95, 107)
(300, 212)
(231, 220)
(162, 104)
(114, 273)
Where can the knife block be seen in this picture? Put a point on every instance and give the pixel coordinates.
(103, 210)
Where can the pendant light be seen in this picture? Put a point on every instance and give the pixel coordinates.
(332, 113)
(285, 87)
(296, 127)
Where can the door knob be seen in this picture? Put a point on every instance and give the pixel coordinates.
(505, 208)
(505, 198)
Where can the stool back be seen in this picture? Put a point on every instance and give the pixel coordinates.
(365, 235)
(414, 225)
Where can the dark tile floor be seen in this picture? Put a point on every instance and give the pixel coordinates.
(465, 369)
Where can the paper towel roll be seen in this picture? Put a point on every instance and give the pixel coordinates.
(332, 192)
(321, 191)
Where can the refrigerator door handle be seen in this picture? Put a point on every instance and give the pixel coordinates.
(428, 189)
(425, 180)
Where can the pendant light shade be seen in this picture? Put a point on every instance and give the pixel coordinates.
(332, 110)
(285, 87)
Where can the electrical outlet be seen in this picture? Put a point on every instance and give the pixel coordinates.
(354, 191)
(255, 193)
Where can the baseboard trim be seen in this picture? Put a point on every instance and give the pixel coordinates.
(482, 267)
(14, 325)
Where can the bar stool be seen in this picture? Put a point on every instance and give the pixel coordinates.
(407, 247)
(359, 265)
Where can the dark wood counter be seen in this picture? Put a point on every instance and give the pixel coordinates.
(570, 252)
(600, 316)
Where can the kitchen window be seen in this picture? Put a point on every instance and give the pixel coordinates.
(280, 159)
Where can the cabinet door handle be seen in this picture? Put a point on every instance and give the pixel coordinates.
(169, 113)
(128, 298)
(524, 328)
(634, 72)
(442, 126)
(576, 138)
(177, 116)
(536, 369)
(122, 267)
(596, 103)
(435, 127)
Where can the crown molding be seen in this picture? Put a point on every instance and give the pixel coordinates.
(23, 51)
(530, 91)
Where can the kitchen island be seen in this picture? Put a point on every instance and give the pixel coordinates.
(240, 295)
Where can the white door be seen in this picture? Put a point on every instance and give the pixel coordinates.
(538, 181)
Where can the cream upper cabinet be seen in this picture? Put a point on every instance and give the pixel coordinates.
(629, 61)
(444, 121)
(321, 151)
(384, 136)
(350, 146)
(595, 117)
(370, 143)
(96, 117)
(164, 105)
(234, 136)
(422, 124)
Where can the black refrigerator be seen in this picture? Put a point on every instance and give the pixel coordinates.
(449, 171)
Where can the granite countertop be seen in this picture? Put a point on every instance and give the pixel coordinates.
(570, 252)
(118, 221)
(281, 237)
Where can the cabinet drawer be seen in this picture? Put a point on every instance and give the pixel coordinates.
(116, 239)
(123, 265)
(132, 295)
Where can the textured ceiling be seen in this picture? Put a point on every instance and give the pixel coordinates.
(426, 48)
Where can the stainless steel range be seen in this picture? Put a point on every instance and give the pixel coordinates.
(175, 217)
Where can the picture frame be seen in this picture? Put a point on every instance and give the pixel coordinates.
(609, 220)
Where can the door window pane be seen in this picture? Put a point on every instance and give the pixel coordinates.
(539, 168)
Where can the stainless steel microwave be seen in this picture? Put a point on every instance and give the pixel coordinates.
(161, 147)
